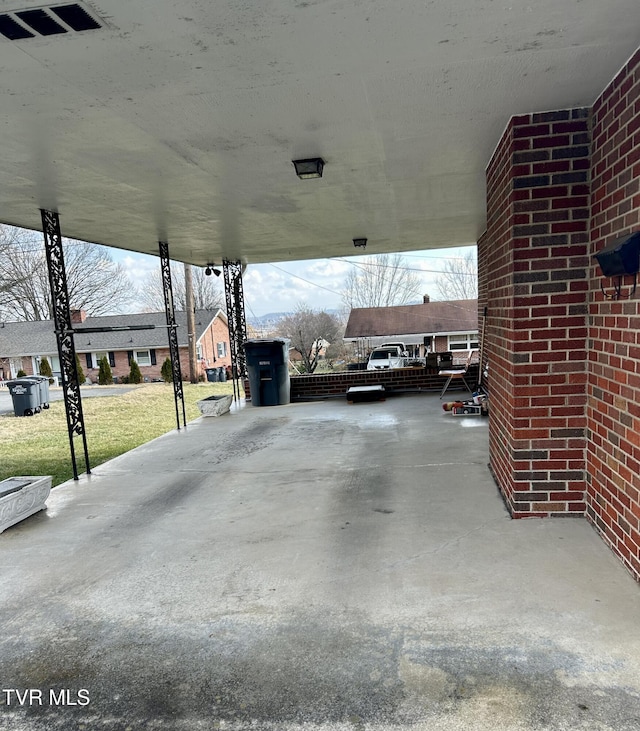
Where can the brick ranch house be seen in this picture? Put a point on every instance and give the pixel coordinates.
(433, 327)
(24, 344)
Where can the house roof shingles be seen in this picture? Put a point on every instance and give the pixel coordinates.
(429, 318)
(38, 338)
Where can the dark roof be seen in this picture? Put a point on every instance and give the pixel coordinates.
(430, 318)
(38, 338)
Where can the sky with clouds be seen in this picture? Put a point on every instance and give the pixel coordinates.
(317, 282)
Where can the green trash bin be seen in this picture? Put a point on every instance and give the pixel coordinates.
(25, 393)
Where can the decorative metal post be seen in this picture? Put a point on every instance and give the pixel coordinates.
(174, 351)
(64, 334)
(236, 318)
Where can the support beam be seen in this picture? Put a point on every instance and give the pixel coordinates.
(174, 352)
(64, 335)
(236, 318)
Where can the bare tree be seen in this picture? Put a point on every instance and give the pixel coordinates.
(95, 282)
(381, 281)
(308, 330)
(459, 278)
(207, 290)
(8, 237)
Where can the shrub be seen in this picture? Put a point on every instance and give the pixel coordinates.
(21, 374)
(81, 376)
(105, 377)
(134, 373)
(45, 368)
(167, 371)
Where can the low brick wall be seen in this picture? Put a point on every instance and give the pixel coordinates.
(396, 381)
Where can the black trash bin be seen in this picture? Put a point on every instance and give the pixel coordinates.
(222, 374)
(268, 368)
(25, 393)
(212, 374)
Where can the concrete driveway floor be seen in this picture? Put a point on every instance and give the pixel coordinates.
(312, 567)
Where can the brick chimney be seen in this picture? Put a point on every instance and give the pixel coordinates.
(78, 315)
(426, 299)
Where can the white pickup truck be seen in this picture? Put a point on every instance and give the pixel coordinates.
(391, 355)
(385, 357)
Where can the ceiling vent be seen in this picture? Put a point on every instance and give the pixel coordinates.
(50, 21)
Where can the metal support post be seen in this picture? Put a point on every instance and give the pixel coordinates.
(237, 322)
(64, 334)
(174, 352)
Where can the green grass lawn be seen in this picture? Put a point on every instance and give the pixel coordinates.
(39, 445)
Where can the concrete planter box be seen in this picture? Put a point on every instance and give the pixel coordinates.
(21, 497)
(215, 405)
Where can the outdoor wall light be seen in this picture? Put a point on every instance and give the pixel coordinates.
(360, 242)
(621, 258)
(211, 269)
(309, 168)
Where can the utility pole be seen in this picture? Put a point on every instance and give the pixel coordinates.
(191, 323)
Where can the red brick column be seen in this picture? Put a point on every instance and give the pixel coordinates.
(535, 264)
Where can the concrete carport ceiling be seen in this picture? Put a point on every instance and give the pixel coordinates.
(178, 119)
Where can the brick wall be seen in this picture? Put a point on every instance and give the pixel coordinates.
(533, 259)
(613, 412)
(399, 380)
(218, 333)
(495, 271)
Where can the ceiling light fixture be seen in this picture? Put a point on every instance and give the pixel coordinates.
(360, 242)
(309, 168)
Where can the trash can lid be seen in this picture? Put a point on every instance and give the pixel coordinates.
(266, 341)
(257, 343)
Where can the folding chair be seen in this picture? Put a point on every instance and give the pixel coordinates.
(456, 373)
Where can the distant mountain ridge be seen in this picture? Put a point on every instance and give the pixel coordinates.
(267, 324)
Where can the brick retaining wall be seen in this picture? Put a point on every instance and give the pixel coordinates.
(395, 381)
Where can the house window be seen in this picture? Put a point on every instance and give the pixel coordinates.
(54, 362)
(468, 341)
(142, 357)
(199, 354)
(99, 355)
(222, 349)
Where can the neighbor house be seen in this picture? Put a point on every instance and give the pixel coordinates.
(141, 337)
(424, 328)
